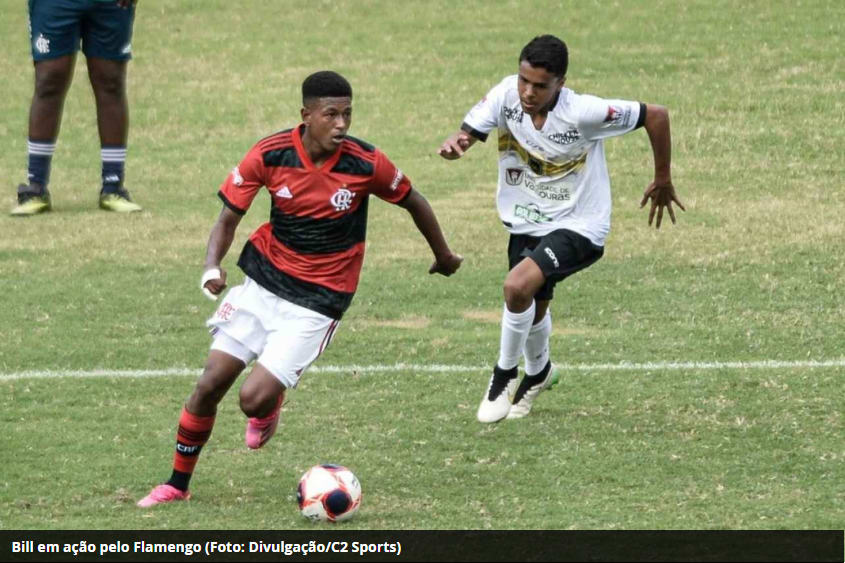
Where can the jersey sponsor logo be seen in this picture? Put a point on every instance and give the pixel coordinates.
(396, 179)
(513, 114)
(342, 199)
(530, 213)
(284, 193)
(617, 116)
(550, 191)
(552, 256)
(513, 176)
(237, 179)
(566, 138)
(42, 44)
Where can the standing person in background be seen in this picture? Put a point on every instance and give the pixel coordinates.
(104, 29)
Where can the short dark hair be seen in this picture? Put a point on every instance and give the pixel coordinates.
(548, 52)
(325, 84)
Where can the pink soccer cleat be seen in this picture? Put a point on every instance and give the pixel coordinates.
(162, 494)
(260, 430)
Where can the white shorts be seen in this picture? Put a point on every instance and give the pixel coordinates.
(252, 323)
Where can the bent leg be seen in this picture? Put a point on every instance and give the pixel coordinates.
(261, 398)
(221, 371)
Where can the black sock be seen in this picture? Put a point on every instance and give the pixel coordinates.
(179, 480)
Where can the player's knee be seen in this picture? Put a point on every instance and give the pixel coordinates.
(258, 402)
(517, 295)
(51, 83)
(109, 84)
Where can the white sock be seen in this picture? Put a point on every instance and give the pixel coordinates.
(537, 345)
(515, 327)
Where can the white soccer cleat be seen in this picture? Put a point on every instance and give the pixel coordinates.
(528, 390)
(496, 402)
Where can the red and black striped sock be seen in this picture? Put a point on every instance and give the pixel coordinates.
(191, 436)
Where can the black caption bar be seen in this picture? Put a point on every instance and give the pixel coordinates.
(400, 545)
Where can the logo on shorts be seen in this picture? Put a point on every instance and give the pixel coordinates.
(127, 49)
(225, 311)
(42, 44)
(342, 199)
(551, 255)
(513, 176)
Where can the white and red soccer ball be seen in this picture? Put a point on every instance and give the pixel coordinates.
(328, 492)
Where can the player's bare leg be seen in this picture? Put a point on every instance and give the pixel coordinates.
(521, 284)
(52, 80)
(108, 80)
(261, 398)
(195, 425)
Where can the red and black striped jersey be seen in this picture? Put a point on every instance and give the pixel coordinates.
(312, 249)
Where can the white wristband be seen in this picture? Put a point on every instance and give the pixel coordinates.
(208, 275)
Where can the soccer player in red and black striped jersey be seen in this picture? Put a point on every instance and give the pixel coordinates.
(301, 267)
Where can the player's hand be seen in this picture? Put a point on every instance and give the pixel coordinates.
(446, 265)
(455, 146)
(213, 282)
(662, 195)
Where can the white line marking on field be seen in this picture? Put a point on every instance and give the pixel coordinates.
(433, 368)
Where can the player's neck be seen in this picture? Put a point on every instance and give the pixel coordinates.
(539, 118)
(316, 152)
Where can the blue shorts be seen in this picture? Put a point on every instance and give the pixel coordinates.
(57, 27)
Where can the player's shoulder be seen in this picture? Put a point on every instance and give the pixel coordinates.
(277, 140)
(357, 157)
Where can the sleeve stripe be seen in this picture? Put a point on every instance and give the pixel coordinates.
(641, 118)
(230, 205)
(475, 133)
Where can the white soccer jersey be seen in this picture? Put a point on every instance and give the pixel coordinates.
(555, 177)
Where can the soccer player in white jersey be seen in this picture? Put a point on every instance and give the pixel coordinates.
(553, 197)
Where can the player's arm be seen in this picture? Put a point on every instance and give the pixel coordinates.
(456, 145)
(445, 261)
(222, 234)
(661, 192)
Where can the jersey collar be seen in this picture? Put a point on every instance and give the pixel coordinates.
(305, 157)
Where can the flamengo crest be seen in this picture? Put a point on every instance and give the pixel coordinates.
(342, 199)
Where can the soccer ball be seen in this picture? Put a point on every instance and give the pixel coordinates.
(328, 492)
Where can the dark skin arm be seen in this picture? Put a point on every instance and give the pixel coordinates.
(219, 241)
(661, 192)
(445, 262)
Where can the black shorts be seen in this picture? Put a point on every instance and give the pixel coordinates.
(559, 254)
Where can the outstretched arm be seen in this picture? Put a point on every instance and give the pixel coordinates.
(661, 192)
(456, 145)
(222, 234)
(445, 262)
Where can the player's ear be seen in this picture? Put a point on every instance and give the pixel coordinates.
(305, 113)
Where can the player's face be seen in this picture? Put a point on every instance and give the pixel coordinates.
(328, 120)
(537, 88)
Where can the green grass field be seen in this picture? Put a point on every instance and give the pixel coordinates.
(748, 284)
